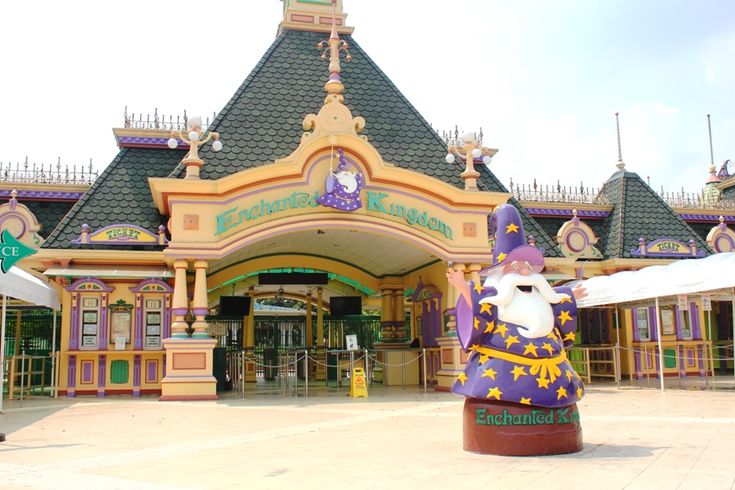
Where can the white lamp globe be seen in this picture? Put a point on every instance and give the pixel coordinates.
(217, 146)
(450, 158)
(193, 136)
(476, 153)
(487, 159)
(172, 143)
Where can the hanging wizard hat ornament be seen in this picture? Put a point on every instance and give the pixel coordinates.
(510, 244)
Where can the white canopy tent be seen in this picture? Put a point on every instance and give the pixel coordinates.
(19, 284)
(713, 276)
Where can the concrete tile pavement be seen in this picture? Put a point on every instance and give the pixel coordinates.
(393, 439)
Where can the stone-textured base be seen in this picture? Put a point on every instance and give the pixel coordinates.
(508, 429)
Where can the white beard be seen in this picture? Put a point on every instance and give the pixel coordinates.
(347, 180)
(532, 311)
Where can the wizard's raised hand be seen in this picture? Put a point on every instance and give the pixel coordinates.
(456, 279)
(579, 292)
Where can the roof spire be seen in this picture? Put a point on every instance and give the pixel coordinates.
(620, 164)
(332, 49)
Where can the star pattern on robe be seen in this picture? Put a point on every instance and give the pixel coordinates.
(477, 323)
(579, 393)
(512, 339)
(552, 335)
(530, 349)
(568, 374)
(502, 256)
(502, 329)
(570, 336)
(565, 299)
(489, 373)
(547, 346)
(511, 228)
(561, 393)
(543, 382)
(517, 372)
(486, 308)
(483, 359)
(525, 401)
(462, 378)
(564, 317)
(478, 287)
(490, 326)
(495, 393)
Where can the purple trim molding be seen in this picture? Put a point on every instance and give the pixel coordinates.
(652, 323)
(71, 382)
(636, 333)
(564, 213)
(637, 363)
(151, 371)
(682, 364)
(700, 356)
(706, 218)
(18, 217)
(166, 286)
(87, 372)
(695, 322)
(145, 142)
(200, 311)
(50, 195)
(104, 288)
(101, 375)
(136, 375)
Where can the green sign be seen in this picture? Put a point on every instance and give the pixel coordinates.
(377, 202)
(550, 416)
(11, 251)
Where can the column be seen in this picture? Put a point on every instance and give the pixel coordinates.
(319, 318)
(180, 302)
(399, 315)
(250, 334)
(199, 304)
(308, 321)
(386, 315)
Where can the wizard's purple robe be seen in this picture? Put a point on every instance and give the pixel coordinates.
(506, 366)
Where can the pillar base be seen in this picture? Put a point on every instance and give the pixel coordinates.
(509, 429)
(188, 370)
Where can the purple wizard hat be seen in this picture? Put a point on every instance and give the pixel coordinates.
(506, 228)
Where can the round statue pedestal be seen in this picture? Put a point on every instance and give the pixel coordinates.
(509, 429)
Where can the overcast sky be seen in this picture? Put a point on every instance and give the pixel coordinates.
(542, 79)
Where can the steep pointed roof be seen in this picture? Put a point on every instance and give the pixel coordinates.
(263, 122)
(119, 195)
(638, 212)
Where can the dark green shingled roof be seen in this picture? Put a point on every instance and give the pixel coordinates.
(120, 195)
(262, 122)
(48, 213)
(638, 212)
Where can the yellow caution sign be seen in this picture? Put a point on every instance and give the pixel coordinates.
(358, 383)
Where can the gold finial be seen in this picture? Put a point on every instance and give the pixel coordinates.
(332, 49)
(620, 164)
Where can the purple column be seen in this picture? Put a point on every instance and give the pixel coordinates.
(679, 322)
(700, 356)
(696, 324)
(101, 375)
(102, 343)
(136, 375)
(72, 374)
(167, 317)
(652, 323)
(138, 337)
(74, 330)
(636, 334)
(637, 362)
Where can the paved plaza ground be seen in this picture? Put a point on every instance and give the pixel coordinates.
(633, 438)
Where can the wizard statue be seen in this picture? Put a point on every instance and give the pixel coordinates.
(342, 188)
(521, 389)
